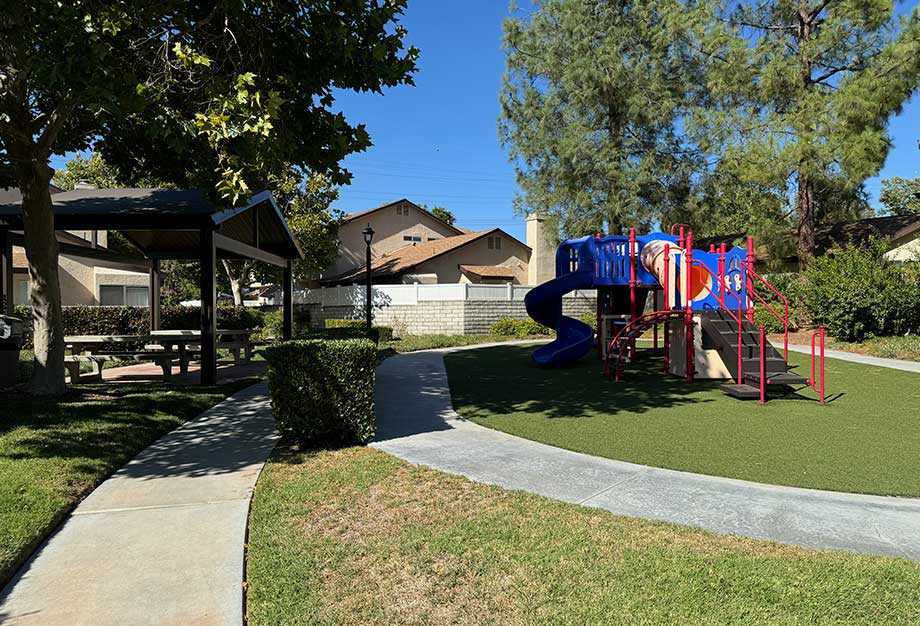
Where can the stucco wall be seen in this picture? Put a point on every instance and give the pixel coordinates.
(512, 254)
(390, 228)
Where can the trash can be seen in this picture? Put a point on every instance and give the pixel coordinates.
(10, 342)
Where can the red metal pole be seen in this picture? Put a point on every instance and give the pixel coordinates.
(763, 366)
(632, 285)
(689, 307)
(712, 248)
(680, 238)
(821, 330)
(749, 283)
(740, 377)
(667, 307)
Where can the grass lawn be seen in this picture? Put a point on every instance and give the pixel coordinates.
(429, 342)
(53, 453)
(907, 348)
(358, 537)
(867, 440)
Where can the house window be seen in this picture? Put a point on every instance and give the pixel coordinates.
(21, 292)
(495, 243)
(121, 295)
(412, 238)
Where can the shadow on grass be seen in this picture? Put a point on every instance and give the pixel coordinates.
(507, 381)
(99, 427)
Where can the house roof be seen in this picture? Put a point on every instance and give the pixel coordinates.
(405, 258)
(488, 271)
(167, 223)
(67, 246)
(353, 216)
(839, 234)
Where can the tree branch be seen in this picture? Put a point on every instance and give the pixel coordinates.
(55, 123)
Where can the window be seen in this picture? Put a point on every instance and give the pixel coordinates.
(495, 243)
(21, 292)
(412, 238)
(120, 295)
(433, 238)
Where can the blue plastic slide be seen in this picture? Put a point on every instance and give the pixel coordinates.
(574, 339)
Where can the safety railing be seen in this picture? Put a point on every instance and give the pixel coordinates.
(644, 322)
(739, 319)
(784, 318)
(817, 383)
(763, 365)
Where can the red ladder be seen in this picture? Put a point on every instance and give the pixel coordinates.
(625, 341)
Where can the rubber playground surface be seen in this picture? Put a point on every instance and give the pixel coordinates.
(864, 440)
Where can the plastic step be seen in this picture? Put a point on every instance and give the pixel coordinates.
(742, 392)
(780, 378)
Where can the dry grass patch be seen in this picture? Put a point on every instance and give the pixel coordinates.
(358, 537)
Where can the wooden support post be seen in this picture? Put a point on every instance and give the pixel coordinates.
(6, 272)
(287, 301)
(208, 307)
(154, 296)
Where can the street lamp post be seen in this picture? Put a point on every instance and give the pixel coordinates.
(368, 238)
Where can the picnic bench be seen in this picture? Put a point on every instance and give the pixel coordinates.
(160, 346)
(73, 362)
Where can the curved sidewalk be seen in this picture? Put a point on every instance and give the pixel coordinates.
(416, 422)
(161, 541)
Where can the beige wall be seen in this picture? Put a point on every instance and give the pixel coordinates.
(80, 279)
(513, 255)
(389, 230)
(904, 249)
(542, 267)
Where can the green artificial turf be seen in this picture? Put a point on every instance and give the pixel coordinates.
(54, 452)
(865, 439)
(357, 537)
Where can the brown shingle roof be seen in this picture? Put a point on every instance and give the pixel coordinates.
(488, 271)
(407, 257)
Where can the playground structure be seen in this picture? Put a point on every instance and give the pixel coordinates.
(703, 301)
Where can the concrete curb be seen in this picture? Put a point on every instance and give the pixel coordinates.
(416, 422)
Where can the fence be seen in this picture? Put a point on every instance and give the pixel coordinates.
(448, 309)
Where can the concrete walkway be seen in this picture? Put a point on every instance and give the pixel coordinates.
(161, 541)
(895, 364)
(416, 422)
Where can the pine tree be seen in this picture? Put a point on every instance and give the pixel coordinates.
(799, 94)
(590, 102)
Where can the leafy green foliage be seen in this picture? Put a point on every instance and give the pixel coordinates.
(857, 294)
(798, 98)
(511, 327)
(901, 195)
(345, 323)
(444, 215)
(323, 390)
(592, 131)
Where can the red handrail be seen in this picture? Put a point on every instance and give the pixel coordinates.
(783, 318)
(721, 298)
(763, 365)
(627, 327)
(812, 381)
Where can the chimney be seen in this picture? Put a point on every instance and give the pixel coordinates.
(542, 266)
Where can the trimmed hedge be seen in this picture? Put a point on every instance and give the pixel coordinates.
(511, 327)
(342, 323)
(323, 390)
(124, 320)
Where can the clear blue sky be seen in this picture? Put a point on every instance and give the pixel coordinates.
(437, 142)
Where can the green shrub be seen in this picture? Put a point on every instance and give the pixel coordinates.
(856, 293)
(323, 391)
(589, 318)
(772, 324)
(341, 323)
(125, 320)
(384, 334)
(511, 327)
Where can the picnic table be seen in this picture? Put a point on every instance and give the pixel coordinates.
(159, 346)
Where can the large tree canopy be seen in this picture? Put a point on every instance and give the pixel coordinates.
(590, 103)
(799, 95)
(242, 89)
(901, 196)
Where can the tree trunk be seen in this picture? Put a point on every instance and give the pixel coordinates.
(34, 178)
(236, 280)
(805, 210)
